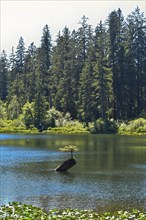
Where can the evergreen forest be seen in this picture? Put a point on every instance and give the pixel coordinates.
(85, 74)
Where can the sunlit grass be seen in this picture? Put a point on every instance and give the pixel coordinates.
(68, 130)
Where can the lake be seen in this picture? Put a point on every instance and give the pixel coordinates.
(110, 173)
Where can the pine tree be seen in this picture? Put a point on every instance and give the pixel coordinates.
(102, 73)
(12, 65)
(64, 73)
(40, 108)
(20, 57)
(66, 87)
(83, 36)
(87, 105)
(17, 78)
(30, 72)
(117, 53)
(3, 76)
(130, 72)
(13, 108)
(44, 57)
(85, 111)
(57, 71)
(46, 47)
(137, 31)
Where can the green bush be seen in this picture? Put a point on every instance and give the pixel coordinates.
(12, 126)
(2, 110)
(69, 129)
(134, 126)
(55, 118)
(28, 114)
(105, 126)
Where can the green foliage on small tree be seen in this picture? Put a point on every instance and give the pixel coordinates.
(69, 148)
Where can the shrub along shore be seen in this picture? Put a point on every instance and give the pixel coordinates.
(68, 126)
(21, 211)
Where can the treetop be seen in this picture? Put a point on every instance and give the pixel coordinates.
(69, 148)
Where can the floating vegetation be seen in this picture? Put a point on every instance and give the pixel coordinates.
(21, 211)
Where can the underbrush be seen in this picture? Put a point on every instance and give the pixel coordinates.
(15, 126)
(104, 126)
(71, 128)
(137, 126)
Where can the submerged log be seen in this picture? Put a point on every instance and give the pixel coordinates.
(67, 164)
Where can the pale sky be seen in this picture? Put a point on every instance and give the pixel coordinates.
(27, 18)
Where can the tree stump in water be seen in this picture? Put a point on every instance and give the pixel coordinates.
(67, 164)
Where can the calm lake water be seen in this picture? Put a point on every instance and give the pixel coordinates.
(110, 173)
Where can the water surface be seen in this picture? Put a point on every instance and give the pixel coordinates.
(110, 173)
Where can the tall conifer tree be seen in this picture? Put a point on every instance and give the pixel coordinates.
(45, 63)
(116, 44)
(137, 31)
(3, 76)
(102, 73)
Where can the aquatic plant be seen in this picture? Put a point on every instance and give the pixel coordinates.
(21, 211)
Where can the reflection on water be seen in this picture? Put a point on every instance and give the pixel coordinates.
(109, 175)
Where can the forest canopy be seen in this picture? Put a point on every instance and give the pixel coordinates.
(87, 73)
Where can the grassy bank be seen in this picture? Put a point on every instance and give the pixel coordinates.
(20, 211)
(17, 126)
(68, 130)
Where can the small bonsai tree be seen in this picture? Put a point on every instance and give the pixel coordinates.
(69, 148)
(67, 164)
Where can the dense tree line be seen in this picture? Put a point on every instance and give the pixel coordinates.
(90, 73)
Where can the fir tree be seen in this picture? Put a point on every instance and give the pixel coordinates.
(3, 76)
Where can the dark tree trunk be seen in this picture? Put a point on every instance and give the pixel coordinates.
(67, 164)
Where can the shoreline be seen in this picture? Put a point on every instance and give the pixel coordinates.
(133, 127)
(69, 133)
(58, 131)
